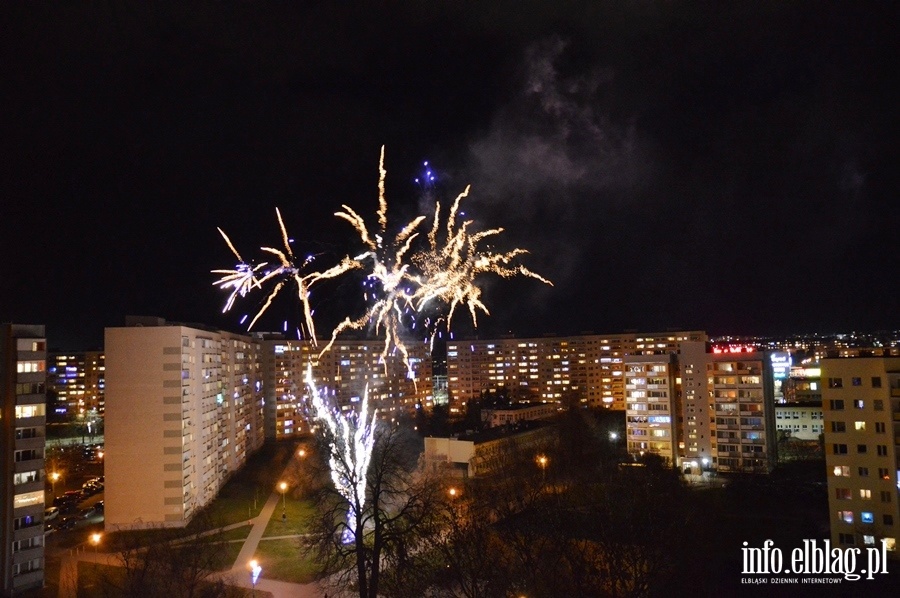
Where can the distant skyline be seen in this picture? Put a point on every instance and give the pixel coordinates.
(669, 165)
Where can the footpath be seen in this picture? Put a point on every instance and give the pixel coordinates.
(238, 575)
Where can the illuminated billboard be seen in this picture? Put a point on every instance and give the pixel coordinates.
(781, 364)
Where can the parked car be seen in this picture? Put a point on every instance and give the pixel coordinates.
(98, 506)
(76, 495)
(68, 522)
(92, 488)
(62, 501)
(51, 513)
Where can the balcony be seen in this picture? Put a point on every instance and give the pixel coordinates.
(23, 556)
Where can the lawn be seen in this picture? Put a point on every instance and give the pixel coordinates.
(245, 493)
(298, 514)
(285, 560)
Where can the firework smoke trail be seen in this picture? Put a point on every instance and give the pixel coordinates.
(449, 270)
(351, 441)
(243, 278)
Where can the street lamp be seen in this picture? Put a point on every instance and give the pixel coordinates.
(542, 461)
(301, 453)
(613, 436)
(255, 570)
(54, 477)
(283, 487)
(452, 492)
(95, 540)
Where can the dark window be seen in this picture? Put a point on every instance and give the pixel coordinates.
(856, 381)
(861, 449)
(839, 449)
(836, 404)
(838, 427)
(876, 382)
(835, 383)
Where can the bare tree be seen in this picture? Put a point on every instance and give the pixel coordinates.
(388, 523)
(168, 562)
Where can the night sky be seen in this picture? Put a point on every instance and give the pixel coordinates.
(668, 164)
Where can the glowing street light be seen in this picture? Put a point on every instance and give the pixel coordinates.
(301, 453)
(613, 436)
(95, 539)
(453, 492)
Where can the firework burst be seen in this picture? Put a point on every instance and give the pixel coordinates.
(245, 277)
(406, 276)
(389, 280)
(450, 266)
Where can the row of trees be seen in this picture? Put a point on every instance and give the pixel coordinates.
(576, 522)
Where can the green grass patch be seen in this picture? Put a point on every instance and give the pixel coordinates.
(298, 514)
(244, 494)
(229, 553)
(285, 560)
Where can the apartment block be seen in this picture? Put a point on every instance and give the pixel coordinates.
(546, 368)
(78, 381)
(652, 406)
(23, 357)
(701, 407)
(184, 410)
(351, 368)
(741, 388)
(861, 402)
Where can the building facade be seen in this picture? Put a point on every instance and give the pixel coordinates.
(801, 420)
(23, 357)
(349, 370)
(652, 406)
(861, 402)
(184, 410)
(78, 382)
(700, 407)
(592, 366)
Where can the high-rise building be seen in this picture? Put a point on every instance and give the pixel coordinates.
(652, 406)
(545, 368)
(349, 369)
(741, 389)
(23, 357)
(861, 402)
(701, 407)
(77, 380)
(184, 410)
